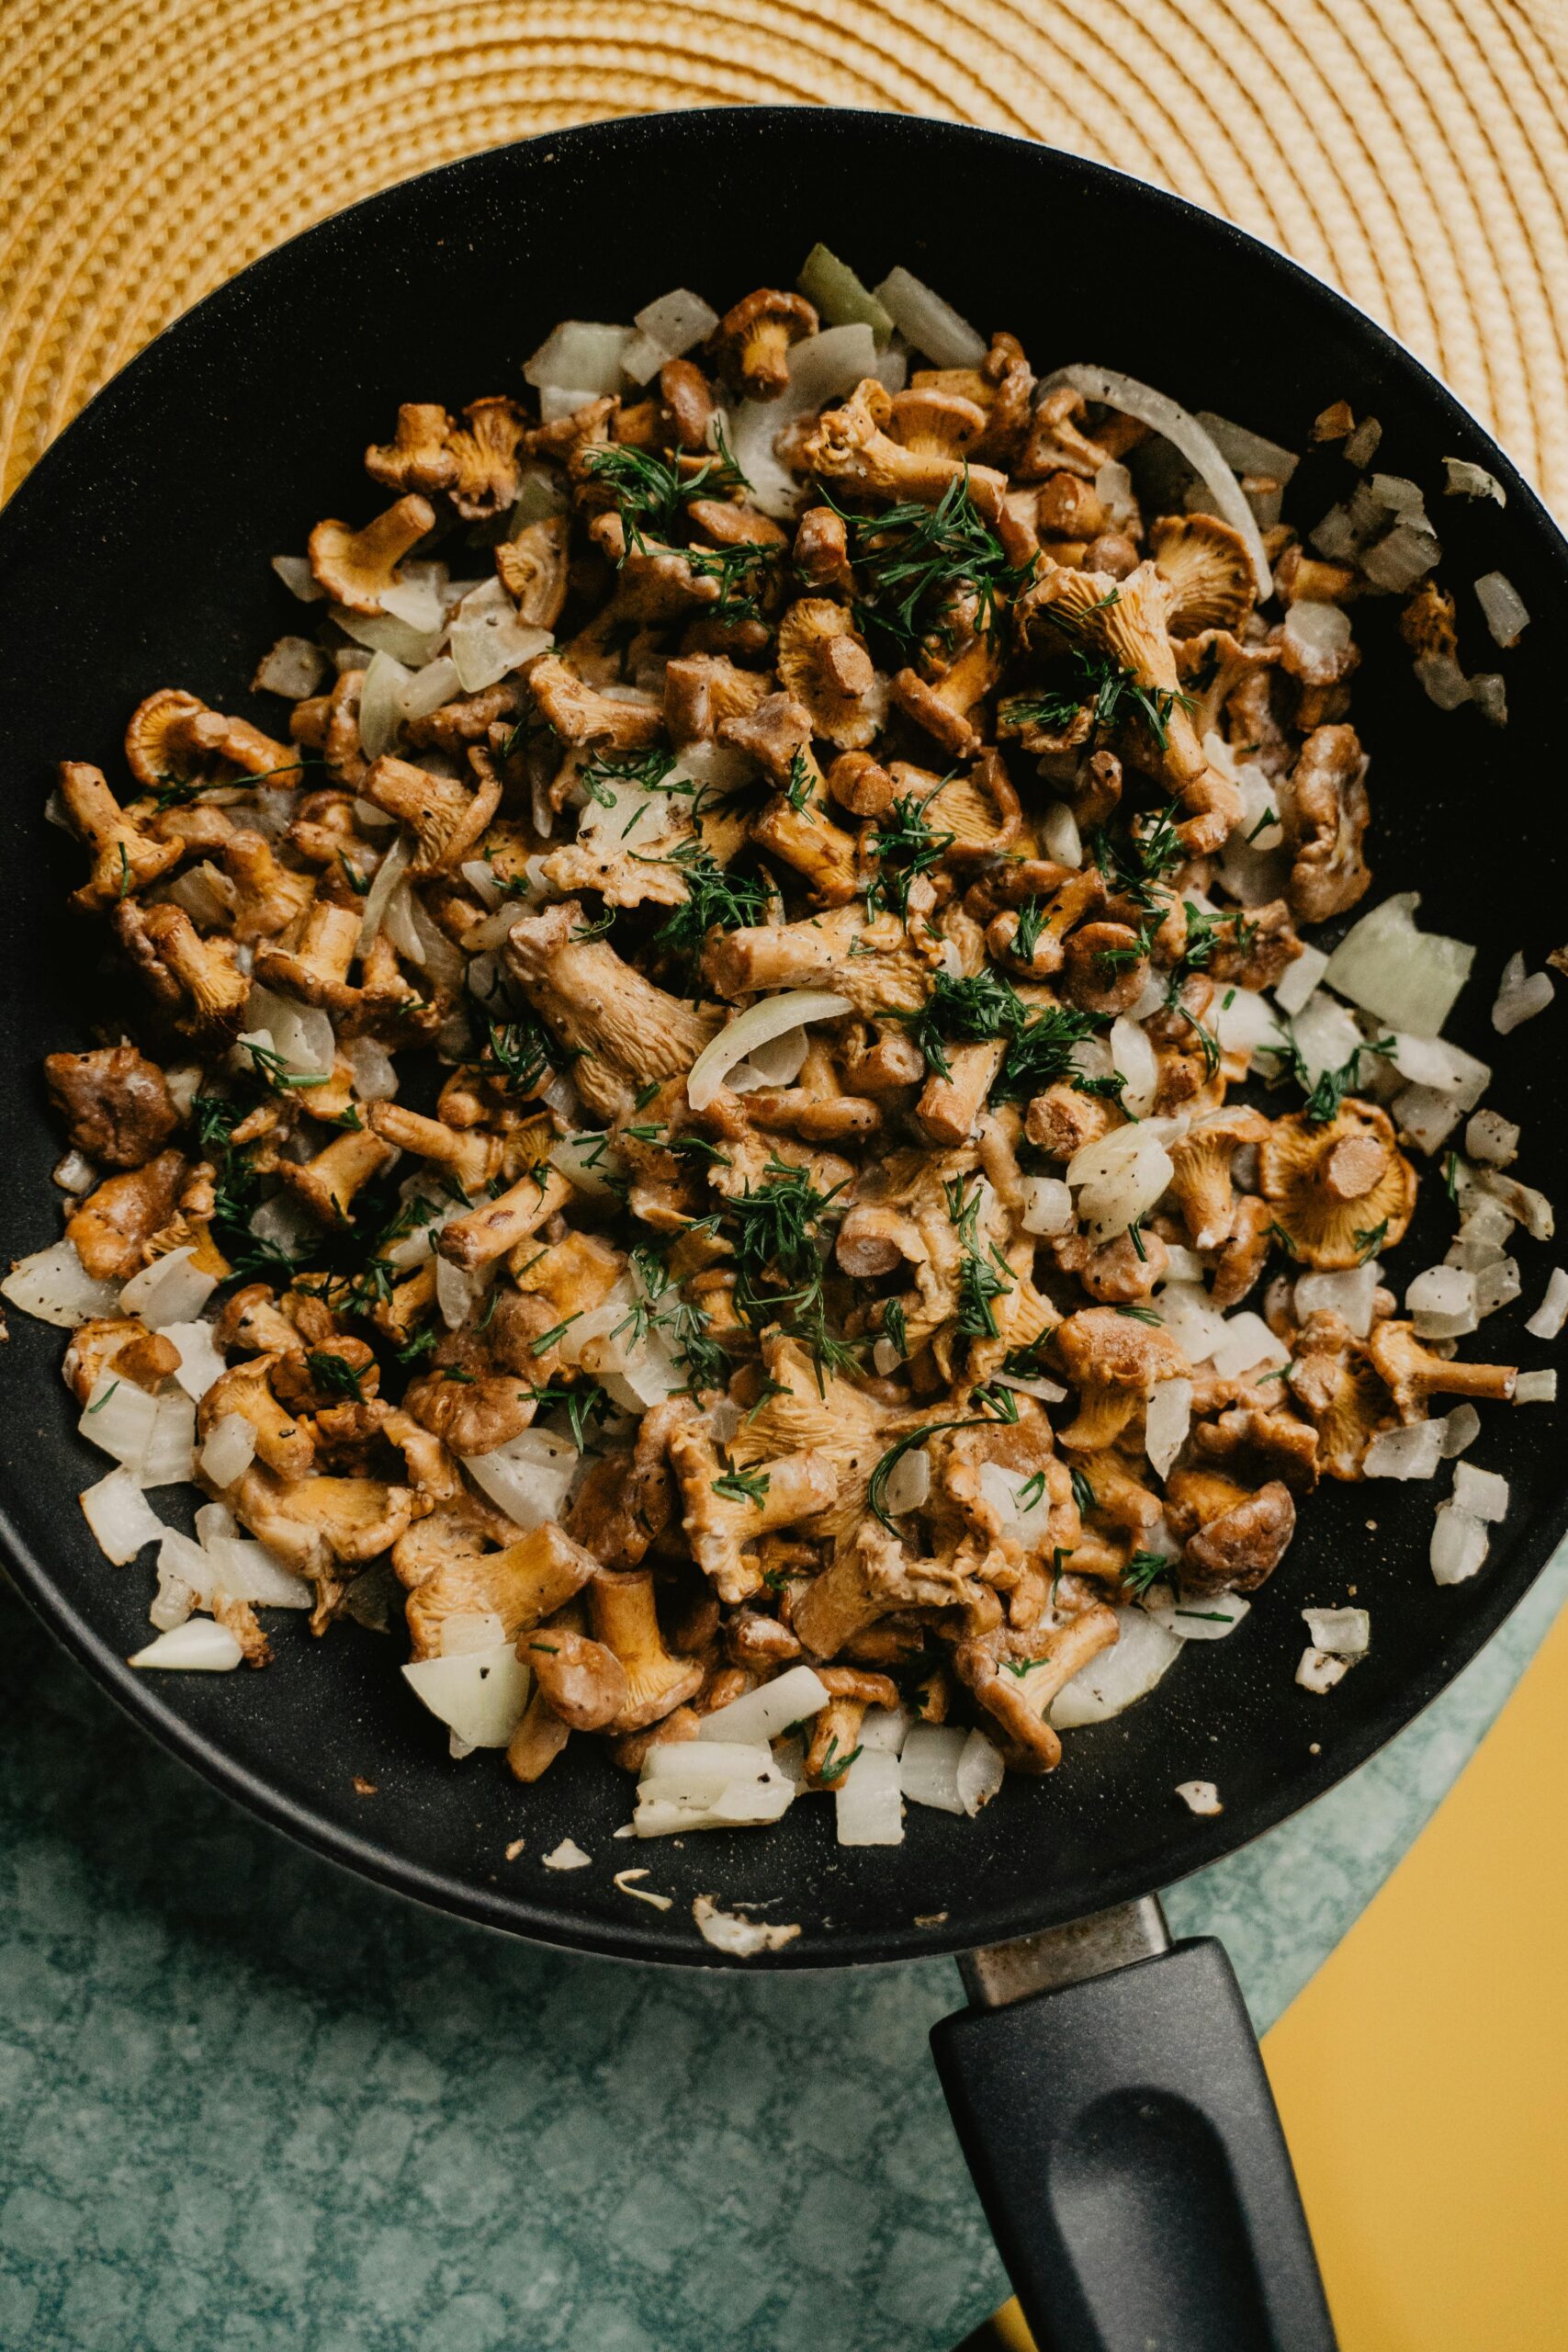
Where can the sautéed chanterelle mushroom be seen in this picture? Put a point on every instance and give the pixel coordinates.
(732, 1110)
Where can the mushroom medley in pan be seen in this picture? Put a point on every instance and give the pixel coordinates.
(731, 1112)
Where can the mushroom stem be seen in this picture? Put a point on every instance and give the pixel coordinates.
(124, 860)
(625, 1619)
(316, 967)
(488, 1232)
(445, 818)
(471, 1156)
(329, 1183)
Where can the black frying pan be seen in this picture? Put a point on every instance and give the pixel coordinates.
(1120, 2129)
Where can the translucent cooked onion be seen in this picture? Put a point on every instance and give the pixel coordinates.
(54, 1285)
(1467, 481)
(428, 689)
(378, 898)
(1118, 1677)
(1191, 1617)
(1536, 1388)
(119, 1418)
(488, 640)
(930, 324)
(1132, 1055)
(771, 1017)
(1059, 834)
(1520, 996)
(1442, 1302)
(1408, 976)
(1166, 1421)
(908, 1481)
(581, 354)
(1481, 1493)
(840, 298)
(480, 1694)
(928, 1768)
(302, 1034)
(762, 1715)
(1492, 1138)
(1343, 1633)
(1246, 1344)
(589, 1162)
(199, 1646)
(1119, 1177)
(1164, 416)
(293, 668)
(1349, 1294)
(1047, 1205)
(530, 1476)
(868, 1804)
(1448, 1070)
(1460, 1545)
(1248, 453)
(173, 1289)
(121, 1518)
(1413, 1453)
(202, 1362)
(1549, 1315)
(665, 330)
(229, 1450)
(297, 576)
(1507, 616)
(1319, 1671)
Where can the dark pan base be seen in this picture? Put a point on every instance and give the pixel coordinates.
(135, 556)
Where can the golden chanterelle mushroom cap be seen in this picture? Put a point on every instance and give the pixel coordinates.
(1207, 570)
(1340, 1192)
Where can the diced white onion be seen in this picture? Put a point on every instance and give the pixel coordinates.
(488, 640)
(1047, 1205)
(384, 882)
(589, 1162)
(1441, 680)
(1132, 1055)
(374, 1071)
(1549, 1315)
(1459, 1429)
(668, 328)
(1320, 637)
(1404, 557)
(1022, 1507)
(887, 1727)
(1117, 1675)
(1326, 1034)
(867, 1804)
(1199, 1797)
(1166, 1421)
(1319, 1671)
(529, 1477)
(120, 1516)
(1193, 1321)
(568, 1856)
(302, 1034)
(1442, 1303)
(582, 355)
(247, 1571)
(1208, 1617)
(1505, 608)
(118, 1418)
(1520, 996)
(928, 324)
(1344, 1633)
(480, 1694)
(1522, 1202)
(1245, 1023)
(760, 1715)
(748, 1803)
(692, 1771)
(1446, 1070)
(1496, 1285)
(74, 1173)
(229, 1450)
(1536, 1388)
(1059, 834)
(769, 1018)
(293, 668)
(170, 1455)
(1413, 1453)
(1119, 1177)
(908, 1481)
(1248, 1344)
(171, 1290)
(742, 1938)
(387, 681)
(198, 1647)
(1460, 1545)
(1048, 1392)
(1166, 416)
(1467, 481)
(1481, 1493)
(297, 576)
(1425, 1118)
(1248, 453)
(431, 688)
(1349, 1293)
(54, 1285)
(1492, 1138)
(1408, 976)
(980, 1774)
(201, 1363)
(928, 1768)
(458, 1292)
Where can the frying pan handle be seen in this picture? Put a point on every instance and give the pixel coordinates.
(1125, 2144)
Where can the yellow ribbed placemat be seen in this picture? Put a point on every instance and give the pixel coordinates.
(1415, 152)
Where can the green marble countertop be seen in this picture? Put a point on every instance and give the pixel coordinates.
(249, 2102)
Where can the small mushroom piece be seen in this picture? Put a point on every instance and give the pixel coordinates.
(316, 967)
(537, 1740)
(822, 548)
(446, 817)
(1327, 813)
(489, 1231)
(1412, 1374)
(1200, 1177)
(357, 568)
(860, 784)
(581, 713)
(117, 1343)
(823, 663)
(484, 456)
(532, 569)
(935, 422)
(329, 1183)
(115, 1221)
(116, 1103)
(621, 1605)
(1112, 1360)
(282, 1441)
(689, 408)
(1018, 1691)
(850, 447)
(1234, 1539)
(1106, 965)
(725, 1510)
(1340, 1192)
(417, 458)
(469, 1156)
(754, 340)
(1207, 572)
(124, 858)
(582, 1681)
(624, 1029)
(267, 895)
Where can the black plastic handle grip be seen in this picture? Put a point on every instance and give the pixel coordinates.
(1125, 2144)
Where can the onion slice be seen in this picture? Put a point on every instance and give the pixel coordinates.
(1163, 414)
(758, 1026)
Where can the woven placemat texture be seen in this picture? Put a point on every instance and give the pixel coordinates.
(1414, 152)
